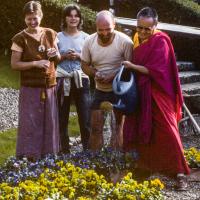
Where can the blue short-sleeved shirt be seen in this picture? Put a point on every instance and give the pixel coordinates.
(67, 42)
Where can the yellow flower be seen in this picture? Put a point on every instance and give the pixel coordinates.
(71, 195)
(157, 183)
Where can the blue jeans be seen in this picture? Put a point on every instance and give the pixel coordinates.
(81, 97)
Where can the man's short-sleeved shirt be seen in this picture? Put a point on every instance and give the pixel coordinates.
(107, 59)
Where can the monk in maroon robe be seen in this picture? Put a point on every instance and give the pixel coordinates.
(153, 130)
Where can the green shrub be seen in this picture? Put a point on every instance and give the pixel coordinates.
(12, 19)
(185, 12)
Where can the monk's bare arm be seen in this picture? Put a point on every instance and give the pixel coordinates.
(137, 68)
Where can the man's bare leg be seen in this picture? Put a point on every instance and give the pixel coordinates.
(117, 121)
(96, 136)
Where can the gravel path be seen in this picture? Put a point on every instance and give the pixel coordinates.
(9, 118)
(193, 192)
(8, 108)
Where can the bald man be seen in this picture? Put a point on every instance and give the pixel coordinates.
(102, 54)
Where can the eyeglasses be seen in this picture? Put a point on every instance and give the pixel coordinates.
(147, 29)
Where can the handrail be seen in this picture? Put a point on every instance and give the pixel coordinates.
(195, 124)
(173, 28)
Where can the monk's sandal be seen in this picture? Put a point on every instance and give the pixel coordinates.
(181, 182)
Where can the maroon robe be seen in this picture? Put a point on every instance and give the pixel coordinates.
(153, 129)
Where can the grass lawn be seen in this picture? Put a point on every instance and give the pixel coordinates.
(8, 138)
(7, 144)
(10, 79)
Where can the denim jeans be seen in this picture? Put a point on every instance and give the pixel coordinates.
(81, 98)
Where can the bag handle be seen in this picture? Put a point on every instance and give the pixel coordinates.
(119, 76)
(120, 72)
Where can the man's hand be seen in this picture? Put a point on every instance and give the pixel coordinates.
(128, 64)
(138, 68)
(104, 78)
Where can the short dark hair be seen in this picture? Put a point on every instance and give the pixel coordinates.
(33, 7)
(148, 12)
(67, 11)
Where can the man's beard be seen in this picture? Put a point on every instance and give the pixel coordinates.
(105, 39)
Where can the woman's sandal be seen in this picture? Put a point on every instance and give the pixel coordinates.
(181, 183)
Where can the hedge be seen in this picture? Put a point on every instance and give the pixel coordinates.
(184, 12)
(12, 19)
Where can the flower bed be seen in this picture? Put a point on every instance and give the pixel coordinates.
(192, 156)
(103, 162)
(70, 182)
(81, 175)
(72, 176)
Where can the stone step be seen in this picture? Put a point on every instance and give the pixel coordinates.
(189, 76)
(185, 66)
(191, 88)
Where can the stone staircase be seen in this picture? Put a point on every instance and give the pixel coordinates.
(190, 83)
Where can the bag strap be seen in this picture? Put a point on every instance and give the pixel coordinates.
(119, 76)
